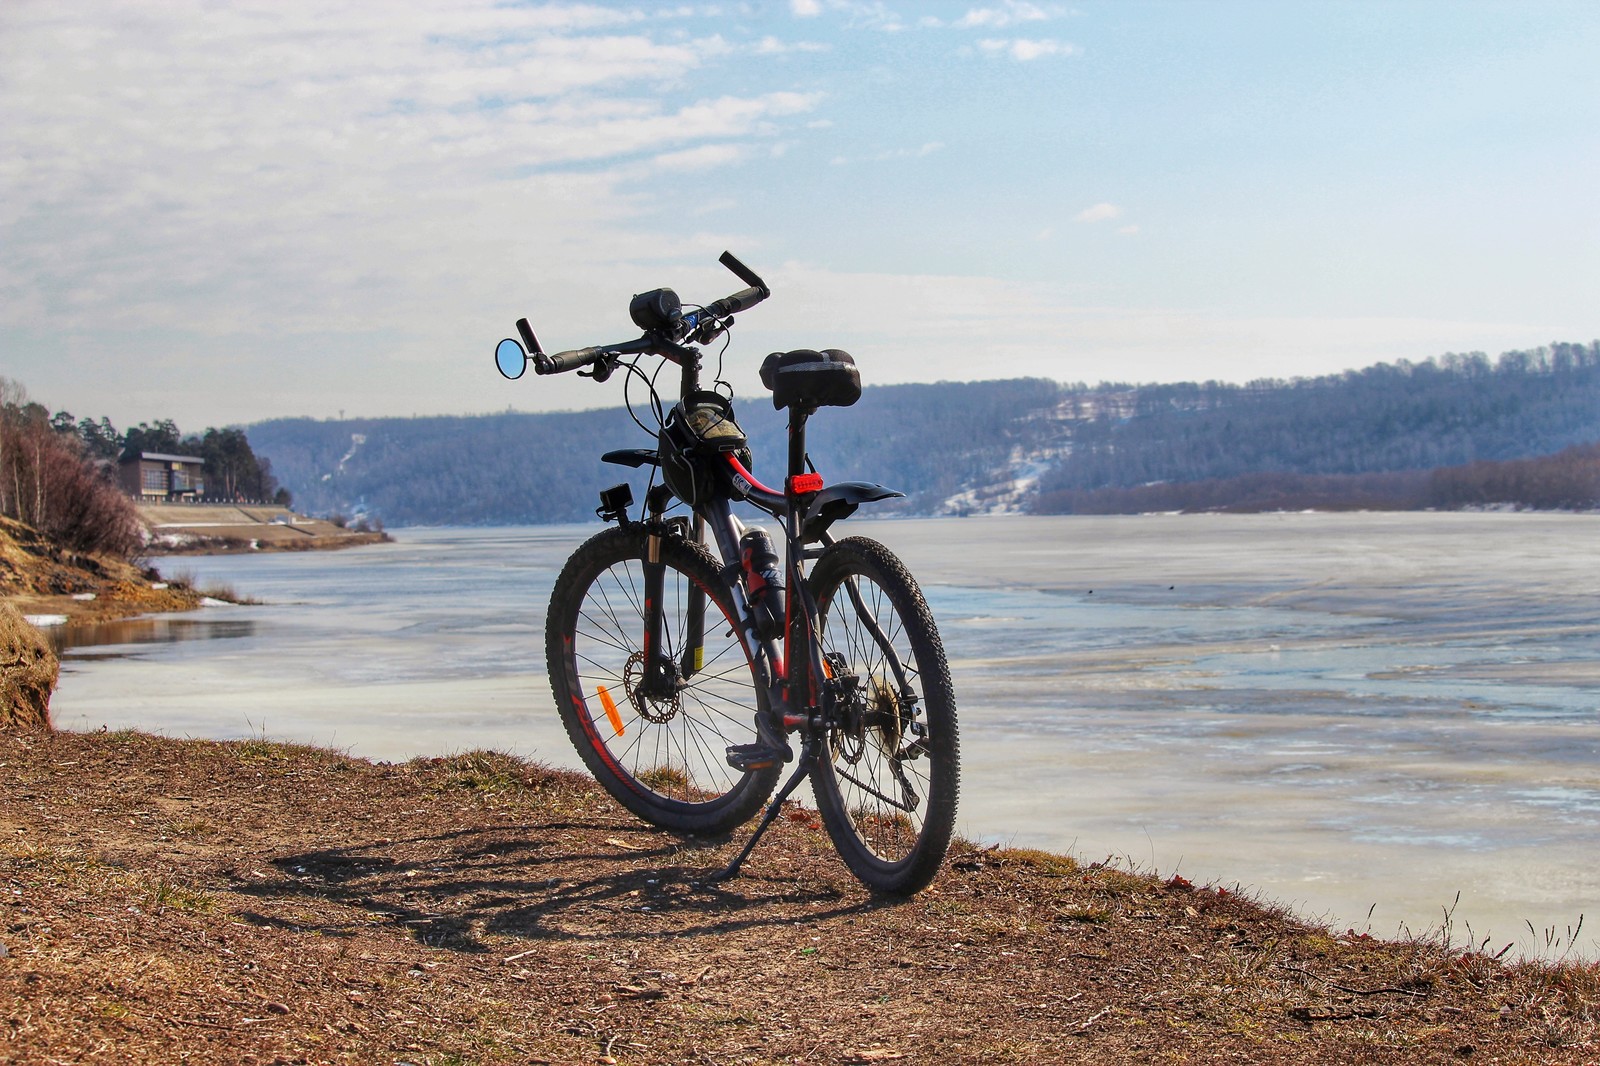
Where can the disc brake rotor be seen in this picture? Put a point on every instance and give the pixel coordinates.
(657, 709)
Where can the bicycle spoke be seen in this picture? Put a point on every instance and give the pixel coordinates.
(659, 750)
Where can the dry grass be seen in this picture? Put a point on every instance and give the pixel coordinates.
(259, 902)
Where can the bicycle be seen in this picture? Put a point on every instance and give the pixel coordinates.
(681, 674)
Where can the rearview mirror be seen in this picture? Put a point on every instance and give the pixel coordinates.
(510, 358)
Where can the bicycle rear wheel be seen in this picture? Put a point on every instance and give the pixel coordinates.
(887, 784)
(661, 757)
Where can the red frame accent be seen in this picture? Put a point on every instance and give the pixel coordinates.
(739, 469)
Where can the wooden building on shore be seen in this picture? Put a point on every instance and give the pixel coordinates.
(154, 476)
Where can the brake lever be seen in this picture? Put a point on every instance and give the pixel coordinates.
(603, 368)
(710, 330)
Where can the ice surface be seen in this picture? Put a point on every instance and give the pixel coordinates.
(1343, 711)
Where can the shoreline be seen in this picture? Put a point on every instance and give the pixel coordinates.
(251, 899)
(39, 579)
(228, 529)
(207, 544)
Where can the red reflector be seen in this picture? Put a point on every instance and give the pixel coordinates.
(803, 483)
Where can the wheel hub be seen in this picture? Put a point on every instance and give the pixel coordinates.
(652, 707)
(884, 719)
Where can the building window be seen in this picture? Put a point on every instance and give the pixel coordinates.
(153, 480)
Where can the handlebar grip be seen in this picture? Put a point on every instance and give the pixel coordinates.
(528, 339)
(745, 274)
(563, 361)
(739, 301)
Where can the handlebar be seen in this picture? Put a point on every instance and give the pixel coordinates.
(700, 327)
(561, 362)
(705, 325)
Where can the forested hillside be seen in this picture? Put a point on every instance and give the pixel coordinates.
(1026, 444)
(511, 468)
(1444, 412)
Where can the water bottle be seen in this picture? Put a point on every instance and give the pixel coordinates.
(763, 578)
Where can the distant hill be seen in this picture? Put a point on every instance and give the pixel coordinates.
(512, 468)
(956, 448)
(1444, 412)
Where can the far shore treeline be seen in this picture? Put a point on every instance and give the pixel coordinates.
(1455, 431)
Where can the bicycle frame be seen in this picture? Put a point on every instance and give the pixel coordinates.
(774, 657)
(840, 692)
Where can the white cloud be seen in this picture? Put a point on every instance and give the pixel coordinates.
(281, 201)
(872, 14)
(1011, 13)
(1098, 213)
(927, 327)
(919, 152)
(706, 157)
(1128, 230)
(1023, 49)
(772, 46)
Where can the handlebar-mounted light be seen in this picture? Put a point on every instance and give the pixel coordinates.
(657, 311)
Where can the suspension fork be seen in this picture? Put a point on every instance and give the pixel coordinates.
(694, 622)
(658, 680)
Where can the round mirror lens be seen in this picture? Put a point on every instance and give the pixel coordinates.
(510, 358)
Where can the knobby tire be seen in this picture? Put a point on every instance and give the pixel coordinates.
(666, 763)
(892, 843)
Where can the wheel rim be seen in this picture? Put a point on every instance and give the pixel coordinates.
(877, 750)
(671, 746)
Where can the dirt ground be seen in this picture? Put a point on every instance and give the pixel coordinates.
(192, 901)
(39, 578)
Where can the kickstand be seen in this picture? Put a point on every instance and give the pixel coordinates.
(808, 757)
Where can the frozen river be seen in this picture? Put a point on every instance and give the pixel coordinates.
(1349, 713)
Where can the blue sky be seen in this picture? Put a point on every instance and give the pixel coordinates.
(229, 211)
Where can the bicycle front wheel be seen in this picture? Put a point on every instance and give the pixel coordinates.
(662, 756)
(887, 784)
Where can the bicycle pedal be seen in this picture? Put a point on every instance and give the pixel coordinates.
(748, 757)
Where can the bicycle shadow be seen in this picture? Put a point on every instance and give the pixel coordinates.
(496, 881)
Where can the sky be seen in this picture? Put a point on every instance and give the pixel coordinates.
(223, 211)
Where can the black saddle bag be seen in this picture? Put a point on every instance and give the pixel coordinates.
(804, 378)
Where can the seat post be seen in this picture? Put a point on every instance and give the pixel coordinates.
(798, 413)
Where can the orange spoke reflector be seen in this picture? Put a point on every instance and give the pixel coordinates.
(611, 710)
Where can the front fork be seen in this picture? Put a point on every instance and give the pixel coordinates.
(661, 680)
(794, 695)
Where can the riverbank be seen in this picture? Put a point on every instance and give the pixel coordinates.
(259, 902)
(52, 586)
(213, 529)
